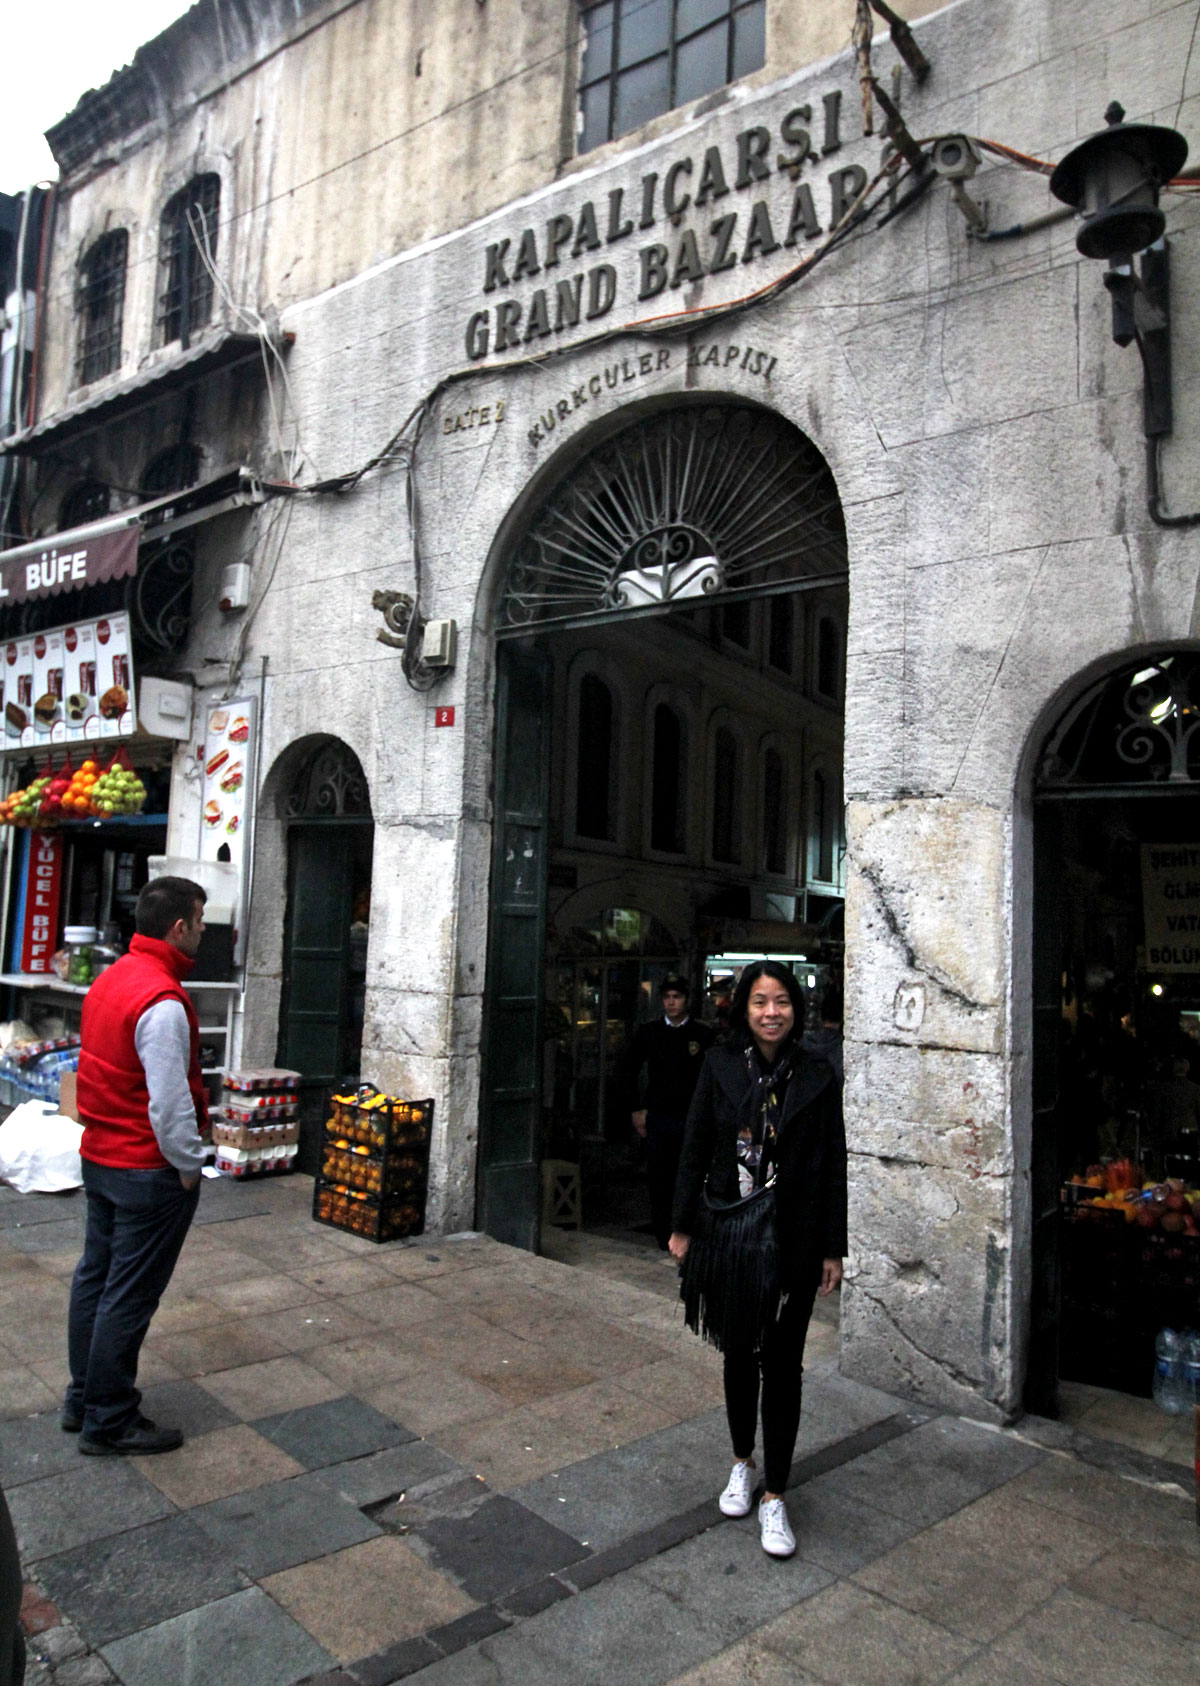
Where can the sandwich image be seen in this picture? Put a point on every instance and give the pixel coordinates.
(232, 777)
(240, 730)
(212, 813)
(232, 824)
(218, 720)
(77, 707)
(216, 762)
(15, 719)
(45, 709)
(114, 702)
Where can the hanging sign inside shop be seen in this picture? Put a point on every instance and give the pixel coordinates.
(68, 562)
(43, 887)
(72, 684)
(1171, 906)
(227, 781)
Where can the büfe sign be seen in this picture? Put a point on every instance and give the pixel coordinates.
(1171, 906)
(72, 684)
(43, 886)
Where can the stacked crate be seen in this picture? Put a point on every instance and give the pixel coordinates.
(374, 1166)
(257, 1130)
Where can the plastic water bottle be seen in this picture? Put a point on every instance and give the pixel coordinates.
(1168, 1372)
(1190, 1389)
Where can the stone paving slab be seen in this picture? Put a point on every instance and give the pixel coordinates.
(113, 1587)
(33, 1447)
(332, 1432)
(275, 1527)
(102, 1496)
(243, 1640)
(498, 1547)
(390, 1474)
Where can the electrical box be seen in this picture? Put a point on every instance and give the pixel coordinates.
(165, 708)
(440, 648)
(235, 586)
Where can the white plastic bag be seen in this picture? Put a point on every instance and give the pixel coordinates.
(39, 1150)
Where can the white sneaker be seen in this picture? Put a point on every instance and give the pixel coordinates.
(735, 1500)
(777, 1537)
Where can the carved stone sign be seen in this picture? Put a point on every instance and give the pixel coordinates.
(707, 232)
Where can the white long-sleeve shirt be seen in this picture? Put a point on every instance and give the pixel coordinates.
(163, 1040)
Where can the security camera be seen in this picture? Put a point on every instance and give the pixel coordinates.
(956, 157)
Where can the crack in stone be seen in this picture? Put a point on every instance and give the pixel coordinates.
(961, 1377)
(892, 921)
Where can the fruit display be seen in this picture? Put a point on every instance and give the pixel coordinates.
(118, 790)
(24, 807)
(1170, 1207)
(374, 1165)
(71, 793)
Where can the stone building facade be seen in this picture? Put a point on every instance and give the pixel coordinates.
(470, 311)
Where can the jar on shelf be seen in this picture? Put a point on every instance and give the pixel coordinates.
(79, 941)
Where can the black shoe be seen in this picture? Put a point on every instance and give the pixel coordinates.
(139, 1440)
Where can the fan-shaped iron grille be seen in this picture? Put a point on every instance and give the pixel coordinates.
(1139, 726)
(681, 504)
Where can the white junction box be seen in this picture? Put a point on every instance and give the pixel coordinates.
(165, 708)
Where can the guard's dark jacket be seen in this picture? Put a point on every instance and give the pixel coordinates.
(672, 1055)
(810, 1189)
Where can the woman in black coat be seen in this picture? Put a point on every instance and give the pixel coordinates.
(763, 1107)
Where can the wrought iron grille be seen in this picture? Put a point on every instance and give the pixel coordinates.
(88, 500)
(330, 786)
(1137, 727)
(99, 306)
(189, 227)
(682, 504)
(158, 600)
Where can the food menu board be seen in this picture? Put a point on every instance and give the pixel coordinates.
(228, 749)
(72, 684)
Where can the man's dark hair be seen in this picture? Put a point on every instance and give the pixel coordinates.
(163, 901)
(741, 995)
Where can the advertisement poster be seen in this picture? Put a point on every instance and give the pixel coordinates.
(72, 684)
(43, 886)
(1171, 906)
(228, 746)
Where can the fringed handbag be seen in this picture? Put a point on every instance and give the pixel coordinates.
(730, 1277)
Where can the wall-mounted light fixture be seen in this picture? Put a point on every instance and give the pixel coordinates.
(1113, 179)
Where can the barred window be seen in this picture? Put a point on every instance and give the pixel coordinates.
(644, 57)
(189, 228)
(170, 470)
(99, 306)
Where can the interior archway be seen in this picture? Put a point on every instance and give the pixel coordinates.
(692, 556)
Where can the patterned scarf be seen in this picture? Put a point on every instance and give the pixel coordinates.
(758, 1142)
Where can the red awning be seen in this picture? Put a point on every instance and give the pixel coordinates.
(103, 550)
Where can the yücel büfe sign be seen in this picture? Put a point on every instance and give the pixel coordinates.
(724, 236)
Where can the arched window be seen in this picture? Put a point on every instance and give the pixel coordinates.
(593, 801)
(827, 657)
(780, 633)
(821, 822)
(669, 773)
(88, 500)
(187, 237)
(171, 470)
(727, 798)
(99, 306)
(774, 811)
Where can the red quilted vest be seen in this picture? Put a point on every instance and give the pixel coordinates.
(114, 1104)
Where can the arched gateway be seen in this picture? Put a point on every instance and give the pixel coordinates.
(693, 559)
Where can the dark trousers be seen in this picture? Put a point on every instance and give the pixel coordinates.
(664, 1144)
(136, 1225)
(780, 1364)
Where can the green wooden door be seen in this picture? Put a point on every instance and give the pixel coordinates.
(510, 1123)
(316, 962)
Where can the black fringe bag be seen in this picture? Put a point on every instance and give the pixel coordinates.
(730, 1277)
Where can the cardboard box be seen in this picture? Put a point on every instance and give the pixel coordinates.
(67, 1103)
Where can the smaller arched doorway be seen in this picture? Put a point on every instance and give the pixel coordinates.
(330, 840)
(1116, 1030)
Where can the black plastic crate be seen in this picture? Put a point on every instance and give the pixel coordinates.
(374, 1172)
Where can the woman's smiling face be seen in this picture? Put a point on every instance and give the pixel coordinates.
(769, 1013)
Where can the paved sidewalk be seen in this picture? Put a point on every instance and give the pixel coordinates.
(453, 1461)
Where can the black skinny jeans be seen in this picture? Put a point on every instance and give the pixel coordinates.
(781, 1366)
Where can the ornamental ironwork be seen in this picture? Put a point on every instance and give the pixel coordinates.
(1136, 727)
(682, 504)
(330, 786)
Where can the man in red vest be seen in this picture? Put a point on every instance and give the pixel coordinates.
(141, 1100)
